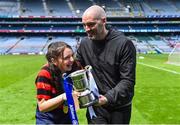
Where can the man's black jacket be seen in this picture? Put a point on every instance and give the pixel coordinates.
(114, 63)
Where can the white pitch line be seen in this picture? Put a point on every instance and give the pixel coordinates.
(171, 71)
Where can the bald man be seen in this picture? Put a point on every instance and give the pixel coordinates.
(113, 59)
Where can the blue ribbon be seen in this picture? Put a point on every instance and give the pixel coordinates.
(93, 87)
(71, 107)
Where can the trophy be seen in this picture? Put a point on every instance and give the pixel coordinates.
(82, 83)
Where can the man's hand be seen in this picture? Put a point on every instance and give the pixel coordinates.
(102, 100)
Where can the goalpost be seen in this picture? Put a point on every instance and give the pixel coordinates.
(174, 56)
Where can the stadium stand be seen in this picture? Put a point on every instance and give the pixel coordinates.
(28, 26)
(54, 8)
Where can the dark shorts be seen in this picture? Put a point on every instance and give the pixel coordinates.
(52, 118)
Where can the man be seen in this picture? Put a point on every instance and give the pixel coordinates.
(113, 59)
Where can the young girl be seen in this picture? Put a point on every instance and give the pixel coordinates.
(51, 98)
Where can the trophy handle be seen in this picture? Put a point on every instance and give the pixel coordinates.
(88, 67)
(88, 71)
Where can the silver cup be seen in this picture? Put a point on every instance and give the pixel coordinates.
(80, 80)
(81, 84)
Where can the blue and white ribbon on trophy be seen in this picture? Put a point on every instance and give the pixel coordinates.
(68, 90)
(93, 87)
(68, 86)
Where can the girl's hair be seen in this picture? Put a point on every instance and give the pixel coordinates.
(56, 49)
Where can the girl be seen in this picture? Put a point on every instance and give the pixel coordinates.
(51, 99)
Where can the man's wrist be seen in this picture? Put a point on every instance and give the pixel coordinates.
(107, 98)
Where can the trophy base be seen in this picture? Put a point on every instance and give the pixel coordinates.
(88, 104)
(87, 99)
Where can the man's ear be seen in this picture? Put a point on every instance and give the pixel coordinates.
(104, 20)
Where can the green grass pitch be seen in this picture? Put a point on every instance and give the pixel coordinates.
(156, 100)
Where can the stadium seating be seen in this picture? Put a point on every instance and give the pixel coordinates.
(9, 8)
(25, 25)
(6, 43)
